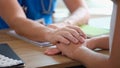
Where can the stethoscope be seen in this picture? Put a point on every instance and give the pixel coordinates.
(44, 10)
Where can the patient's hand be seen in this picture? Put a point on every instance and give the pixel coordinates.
(69, 50)
(54, 50)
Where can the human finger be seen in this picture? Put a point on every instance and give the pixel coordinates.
(81, 39)
(52, 51)
(61, 47)
(70, 37)
(74, 33)
(81, 33)
(61, 39)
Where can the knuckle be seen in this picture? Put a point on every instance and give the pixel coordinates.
(66, 33)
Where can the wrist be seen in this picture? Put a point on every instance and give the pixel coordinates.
(48, 34)
(77, 52)
(53, 26)
(68, 22)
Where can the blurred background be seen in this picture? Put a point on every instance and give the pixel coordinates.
(100, 10)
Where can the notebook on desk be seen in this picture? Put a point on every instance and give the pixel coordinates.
(8, 58)
(92, 31)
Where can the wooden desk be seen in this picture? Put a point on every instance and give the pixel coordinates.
(34, 56)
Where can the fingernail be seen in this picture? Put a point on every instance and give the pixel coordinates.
(68, 43)
(49, 53)
(76, 41)
(82, 40)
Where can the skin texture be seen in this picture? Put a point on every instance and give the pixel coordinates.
(84, 55)
(15, 17)
(93, 43)
(79, 14)
(92, 59)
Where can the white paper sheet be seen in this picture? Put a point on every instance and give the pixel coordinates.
(13, 33)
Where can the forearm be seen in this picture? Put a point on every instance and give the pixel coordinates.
(29, 28)
(79, 12)
(79, 17)
(90, 58)
(13, 14)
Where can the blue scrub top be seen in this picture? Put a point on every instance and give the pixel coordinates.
(34, 11)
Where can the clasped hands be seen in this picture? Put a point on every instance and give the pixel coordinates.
(67, 41)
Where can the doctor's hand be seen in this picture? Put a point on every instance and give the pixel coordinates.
(66, 35)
